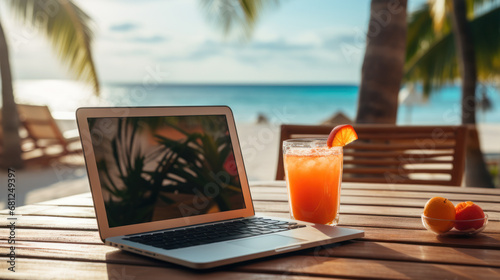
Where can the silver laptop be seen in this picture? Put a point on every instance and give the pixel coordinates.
(169, 183)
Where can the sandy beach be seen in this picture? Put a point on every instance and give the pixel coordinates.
(259, 143)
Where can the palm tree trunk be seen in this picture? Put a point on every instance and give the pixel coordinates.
(476, 172)
(383, 63)
(11, 142)
(467, 61)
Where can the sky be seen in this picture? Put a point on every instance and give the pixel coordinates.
(298, 41)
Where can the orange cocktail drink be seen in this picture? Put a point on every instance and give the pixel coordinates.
(313, 174)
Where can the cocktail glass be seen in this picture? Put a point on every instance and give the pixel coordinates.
(313, 175)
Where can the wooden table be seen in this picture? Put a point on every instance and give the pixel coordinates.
(59, 239)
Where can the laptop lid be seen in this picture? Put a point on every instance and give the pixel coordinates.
(154, 168)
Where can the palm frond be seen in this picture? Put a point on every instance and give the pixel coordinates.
(231, 14)
(420, 31)
(486, 30)
(430, 55)
(68, 28)
(435, 65)
(431, 59)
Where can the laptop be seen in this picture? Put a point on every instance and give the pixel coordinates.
(170, 183)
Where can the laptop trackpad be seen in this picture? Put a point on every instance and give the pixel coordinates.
(266, 242)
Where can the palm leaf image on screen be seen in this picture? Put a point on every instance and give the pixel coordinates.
(162, 168)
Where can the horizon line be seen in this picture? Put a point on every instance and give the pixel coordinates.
(242, 83)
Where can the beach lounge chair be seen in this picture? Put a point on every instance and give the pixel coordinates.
(430, 155)
(45, 140)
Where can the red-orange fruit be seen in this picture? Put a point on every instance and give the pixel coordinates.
(468, 211)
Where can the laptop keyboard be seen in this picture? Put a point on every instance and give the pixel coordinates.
(230, 230)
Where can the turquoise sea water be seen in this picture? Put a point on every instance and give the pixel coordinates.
(302, 104)
(291, 104)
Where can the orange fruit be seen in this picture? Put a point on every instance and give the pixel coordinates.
(468, 211)
(341, 135)
(439, 208)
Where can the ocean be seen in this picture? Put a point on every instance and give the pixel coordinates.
(300, 104)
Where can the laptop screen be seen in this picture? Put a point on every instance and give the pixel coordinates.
(160, 168)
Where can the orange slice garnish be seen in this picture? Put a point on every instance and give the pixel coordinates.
(341, 135)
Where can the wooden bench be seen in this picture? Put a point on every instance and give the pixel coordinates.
(431, 155)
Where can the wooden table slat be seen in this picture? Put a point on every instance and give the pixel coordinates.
(399, 194)
(267, 206)
(407, 236)
(372, 269)
(262, 205)
(47, 222)
(390, 211)
(59, 269)
(54, 235)
(278, 266)
(396, 187)
(373, 201)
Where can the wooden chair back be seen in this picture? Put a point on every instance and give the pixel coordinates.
(44, 133)
(430, 155)
(39, 123)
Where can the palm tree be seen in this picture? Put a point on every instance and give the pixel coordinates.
(383, 63)
(69, 30)
(442, 48)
